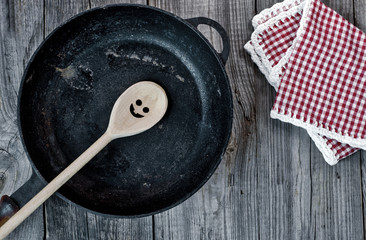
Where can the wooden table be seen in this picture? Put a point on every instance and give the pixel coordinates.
(272, 183)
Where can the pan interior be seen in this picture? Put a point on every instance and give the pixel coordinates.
(72, 83)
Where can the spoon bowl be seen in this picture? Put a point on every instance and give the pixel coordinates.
(139, 108)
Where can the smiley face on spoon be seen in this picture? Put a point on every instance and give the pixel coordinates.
(142, 104)
(134, 112)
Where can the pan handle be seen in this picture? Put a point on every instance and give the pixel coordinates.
(224, 55)
(10, 205)
(7, 208)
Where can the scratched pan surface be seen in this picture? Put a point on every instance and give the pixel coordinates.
(72, 82)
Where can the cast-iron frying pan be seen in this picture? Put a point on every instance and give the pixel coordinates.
(76, 75)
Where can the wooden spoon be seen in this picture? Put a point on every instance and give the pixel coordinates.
(139, 108)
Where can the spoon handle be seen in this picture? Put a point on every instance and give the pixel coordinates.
(54, 185)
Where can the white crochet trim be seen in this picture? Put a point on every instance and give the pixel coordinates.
(260, 29)
(250, 49)
(267, 13)
(320, 129)
(321, 144)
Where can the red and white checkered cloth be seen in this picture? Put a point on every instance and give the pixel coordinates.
(316, 60)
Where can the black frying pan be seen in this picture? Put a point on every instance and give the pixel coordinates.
(78, 72)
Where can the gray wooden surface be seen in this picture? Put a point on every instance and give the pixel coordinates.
(272, 182)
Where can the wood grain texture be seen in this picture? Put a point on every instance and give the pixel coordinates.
(283, 168)
(60, 217)
(21, 25)
(109, 228)
(203, 215)
(273, 183)
(216, 211)
(57, 12)
(64, 220)
(21, 32)
(101, 3)
(100, 227)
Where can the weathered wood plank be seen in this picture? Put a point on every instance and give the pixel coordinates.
(283, 169)
(100, 227)
(241, 213)
(100, 3)
(109, 228)
(21, 24)
(203, 215)
(336, 207)
(283, 173)
(57, 12)
(359, 14)
(336, 210)
(21, 31)
(225, 208)
(63, 220)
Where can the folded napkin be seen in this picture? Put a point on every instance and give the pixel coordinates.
(316, 60)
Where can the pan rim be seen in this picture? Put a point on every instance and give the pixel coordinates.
(217, 158)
